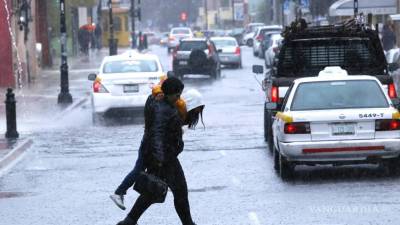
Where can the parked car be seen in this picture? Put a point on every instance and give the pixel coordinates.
(176, 34)
(228, 51)
(237, 33)
(164, 38)
(272, 48)
(123, 83)
(259, 36)
(352, 121)
(268, 41)
(249, 33)
(196, 56)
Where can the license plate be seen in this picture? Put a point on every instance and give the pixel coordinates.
(129, 88)
(343, 129)
(183, 62)
(226, 58)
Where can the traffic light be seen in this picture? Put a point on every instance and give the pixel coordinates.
(183, 16)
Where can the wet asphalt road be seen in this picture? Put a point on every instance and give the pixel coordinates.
(72, 167)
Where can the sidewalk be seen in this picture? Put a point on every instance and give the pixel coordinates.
(37, 103)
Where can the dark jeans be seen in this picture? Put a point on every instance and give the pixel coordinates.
(175, 178)
(130, 179)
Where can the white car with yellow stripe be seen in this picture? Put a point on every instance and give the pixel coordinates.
(336, 119)
(123, 83)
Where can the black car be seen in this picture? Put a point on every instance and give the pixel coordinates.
(196, 56)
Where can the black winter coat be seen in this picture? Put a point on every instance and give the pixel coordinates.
(165, 133)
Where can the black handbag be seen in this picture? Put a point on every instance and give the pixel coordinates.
(151, 186)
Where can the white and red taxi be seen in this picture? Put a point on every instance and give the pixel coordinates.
(123, 83)
(336, 119)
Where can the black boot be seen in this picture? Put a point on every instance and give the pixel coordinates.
(127, 221)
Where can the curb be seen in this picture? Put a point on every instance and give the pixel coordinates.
(14, 156)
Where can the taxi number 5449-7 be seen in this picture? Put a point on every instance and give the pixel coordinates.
(370, 115)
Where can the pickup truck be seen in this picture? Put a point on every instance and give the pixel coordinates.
(305, 51)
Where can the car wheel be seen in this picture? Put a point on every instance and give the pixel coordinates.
(261, 55)
(275, 154)
(286, 169)
(268, 137)
(214, 74)
(392, 166)
(97, 119)
(249, 42)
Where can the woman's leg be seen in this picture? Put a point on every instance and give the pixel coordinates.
(177, 182)
(140, 206)
(130, 179)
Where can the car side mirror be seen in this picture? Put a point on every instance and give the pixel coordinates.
(393, 67)
(396, 103)
(258, 69)
(170, 74)
(92, 76)
(271, 105)
(219, 50)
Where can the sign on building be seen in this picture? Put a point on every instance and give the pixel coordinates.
(238, 8)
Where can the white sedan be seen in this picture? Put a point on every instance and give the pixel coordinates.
(123, 83)
(336, 119)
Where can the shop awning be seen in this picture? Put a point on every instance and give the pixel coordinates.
(346, 7)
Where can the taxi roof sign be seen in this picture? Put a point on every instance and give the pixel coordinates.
(332, 71)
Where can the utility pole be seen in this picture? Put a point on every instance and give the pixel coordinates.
(64, 97)
(133, 35)
(112, 42)
(206, 12)
(233, 13)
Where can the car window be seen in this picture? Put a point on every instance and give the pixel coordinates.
(128, 66)
(224, 43)
(338, 95)
(191, 45)
(180, 31)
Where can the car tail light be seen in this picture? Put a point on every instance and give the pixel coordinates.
(392, 90)
(259, 38)
(274, 94)
(297, 128)
(99, 88)
(387, 124)
(237, 51)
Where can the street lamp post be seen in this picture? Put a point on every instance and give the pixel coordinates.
(112, 42)
(133, 35)
(206, 12)
(64, 97)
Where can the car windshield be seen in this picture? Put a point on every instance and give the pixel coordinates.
(224, 43)
(129, 66)
(180, 31)
(190, 45)
(338, 95)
